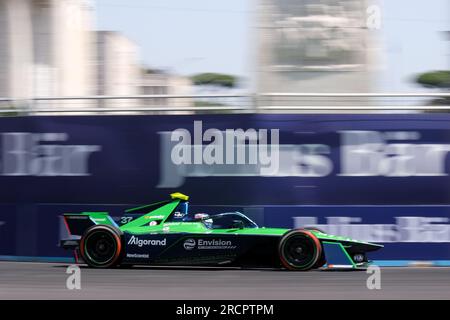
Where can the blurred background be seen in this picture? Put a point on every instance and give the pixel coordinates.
(240, 53)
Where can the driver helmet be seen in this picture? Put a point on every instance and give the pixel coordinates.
(201, 216)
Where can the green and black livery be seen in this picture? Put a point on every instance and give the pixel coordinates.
(166, 233)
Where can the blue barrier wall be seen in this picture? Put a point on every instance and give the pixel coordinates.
(381, 178)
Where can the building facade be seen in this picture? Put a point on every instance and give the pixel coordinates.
(162, 83)
(49, 48)
(118, 70)
(314, 46)
(46, 48)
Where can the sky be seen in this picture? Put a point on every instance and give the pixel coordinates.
(189, 37)
(412, 41)
(184, 36)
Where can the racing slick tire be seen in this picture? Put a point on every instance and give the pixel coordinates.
(299, 250)
(322, 261)
(101, 246)
(313, 229)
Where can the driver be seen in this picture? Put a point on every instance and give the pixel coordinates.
(181, 213)
(196, 216)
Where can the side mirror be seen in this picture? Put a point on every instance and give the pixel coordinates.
(238, 224)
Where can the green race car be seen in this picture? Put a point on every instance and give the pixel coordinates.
(166, 233)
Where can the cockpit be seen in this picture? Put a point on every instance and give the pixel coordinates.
(229, 220)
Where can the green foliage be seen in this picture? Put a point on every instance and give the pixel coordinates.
(435, 79)
(214, 79)
(152, 71)
(208, 104)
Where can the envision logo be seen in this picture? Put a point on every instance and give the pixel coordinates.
(189, 244)
(215, 244)
(146, 242)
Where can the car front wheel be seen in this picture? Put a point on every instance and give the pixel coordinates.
(299, 250)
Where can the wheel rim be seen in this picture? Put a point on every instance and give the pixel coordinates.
(100, 247)
(299, 251)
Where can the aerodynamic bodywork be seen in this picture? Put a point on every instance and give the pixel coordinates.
(166, 233)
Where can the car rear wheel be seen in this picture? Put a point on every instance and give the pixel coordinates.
(101, 246)
(299, 250)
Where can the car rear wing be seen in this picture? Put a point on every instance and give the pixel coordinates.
(78, 223)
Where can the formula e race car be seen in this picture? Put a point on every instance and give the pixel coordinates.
(166, 233)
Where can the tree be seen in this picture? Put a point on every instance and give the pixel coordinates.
(214, 79)
(212, 82)
(436, 80)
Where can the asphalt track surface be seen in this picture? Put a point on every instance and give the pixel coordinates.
(20, 280)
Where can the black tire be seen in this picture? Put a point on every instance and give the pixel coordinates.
(322, 261)
(299, 250)
(313, 229)
(101, 246)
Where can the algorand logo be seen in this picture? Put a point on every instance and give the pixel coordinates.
(146, 242)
